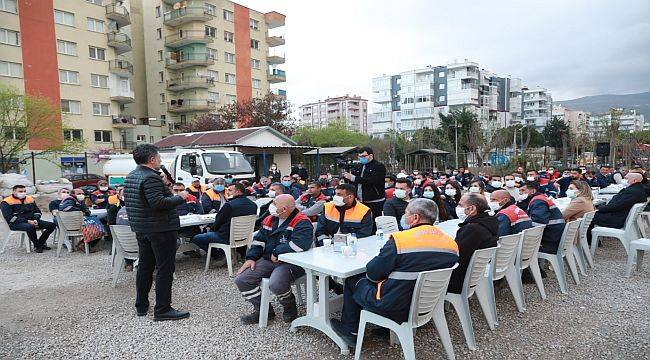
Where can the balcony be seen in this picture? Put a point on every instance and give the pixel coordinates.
(184, 60)
(283, 93)
(120, 67)
(186, 37)
(118, 13)
(124, 145)
(190, 82)
(275, 59)
(185, 15)
(124, 121)
(277, 76)
(122, 96)
(274, 41)
(190, 105)
(121, 42)
(274, 19)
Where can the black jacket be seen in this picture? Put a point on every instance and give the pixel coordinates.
(150, 205)
(475, 233)
(372, 181)
(603, 181)
(304, 175)
(395, 207)
(237, 206)
(615, 212)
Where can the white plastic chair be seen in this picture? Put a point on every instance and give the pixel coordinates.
(388, 224)
(583, 249)
(241, 234)
(70, 225)
(625, 235)
(266, 298)
(565, 250)
(427, 303)
(504, 265)
(125, 245)
(473, 284)
(22, 236)
(528, 256)
(639, 246)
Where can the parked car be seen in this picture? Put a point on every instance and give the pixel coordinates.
(83, 180)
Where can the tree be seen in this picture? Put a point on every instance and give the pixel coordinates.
(556, 134)
(271, 110)
(207, 122)
(334, 134)
(27, 120)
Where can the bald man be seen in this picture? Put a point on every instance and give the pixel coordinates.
(286, 230)
(512, 219)
(613, 214)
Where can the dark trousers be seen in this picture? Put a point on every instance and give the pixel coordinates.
(156, 250)
(281, 276)
(46, 226)
(377, 208)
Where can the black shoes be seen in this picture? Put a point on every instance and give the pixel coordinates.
(143, 312)
(45, 247)
(172, 314)
(254, 317)
(38, 250)
(338, 327)
(290, 312)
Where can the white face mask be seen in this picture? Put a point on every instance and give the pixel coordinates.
(273, 210)
(494, 206)
(472, 189)
(400, 193)
(417, 182)
(571, 193)
(523, 197)
(530, 178)
(21, 195)
(103, 188)
(517, 179)
(80, 197)
(625, 183)
(428, 194)
(510, 183)
(273, 168)
(338, 200)
(460, 212)
(271, 194)
(496, 184)
(450, 192)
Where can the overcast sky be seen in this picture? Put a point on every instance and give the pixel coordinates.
(574, 48)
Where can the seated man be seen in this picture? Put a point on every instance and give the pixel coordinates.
(389, 185)
(100, 196)
(396, 206)
(390, 296)
(312, 202)
(275, 190)
(22, 214)
(542, 211)
(344, 215)
(196, 188)
(512, 219)
(494, 184)
(238, 205)
(285, 231)
(478, 231)
(511, 186)
(614, 213)
(190, 206)
(213, 199)
(290, 188)
(549, 189)
(53, 206)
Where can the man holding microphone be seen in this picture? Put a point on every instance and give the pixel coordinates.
(151, 209)
(368, 177)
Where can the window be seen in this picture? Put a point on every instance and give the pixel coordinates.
(441, 98)
(210, 31)
(441, 86)
(441, 74)
(102, 136)
(162, 98)
(212, 53)
(68, 77)
(96, 2)
(231, 99)
(160, 55)
(10, 69)
(97, 53)
(407, 100)
(210, 9)
(161, 76)
(230, 58)
(157, 11)
(141, 138)
(73, 135)
(255, 44)
(229, 78)
(159, 33)
(214, 96)
(9, 6)
(100, 109)
(256, 64)
(63, 17)
(257, 83)
(228, 36)
(94, 25)
(70, 107)
(228, 15)
(9, 37)
(214, 75)
(66, 47)
(100, 81)
(254, 24)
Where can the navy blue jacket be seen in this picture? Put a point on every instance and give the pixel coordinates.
(72, 204)
(211, 201)
(190, 206)
(542, 211)
(17, 211)
(512, 220)
(237, 206)
(356, 219)
(296, 234)
(603, 181)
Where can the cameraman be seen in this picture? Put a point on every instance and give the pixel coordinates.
(369, 180)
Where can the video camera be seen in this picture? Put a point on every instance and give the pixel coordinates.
(345, 164)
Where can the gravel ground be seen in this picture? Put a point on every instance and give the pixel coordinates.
(66, 307)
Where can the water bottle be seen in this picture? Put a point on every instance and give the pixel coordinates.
(380, 235)
(352, 242)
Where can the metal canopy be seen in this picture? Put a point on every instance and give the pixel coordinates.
(336, 151)
(429, 152)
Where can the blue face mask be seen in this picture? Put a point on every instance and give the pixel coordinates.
(219, 188)
(228, 181)
(364, 160)
(403, 223)
(286, 183)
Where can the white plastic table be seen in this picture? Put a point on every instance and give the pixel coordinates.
(194, 220)
(562, 203)
(322, 262)
(98, 212)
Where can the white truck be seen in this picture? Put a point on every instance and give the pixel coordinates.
(185, 165)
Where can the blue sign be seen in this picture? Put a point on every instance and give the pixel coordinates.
(498, 159)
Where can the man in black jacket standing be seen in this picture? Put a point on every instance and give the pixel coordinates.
(369, 180)
(151, 209)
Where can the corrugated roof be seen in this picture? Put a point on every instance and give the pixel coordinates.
(332, 150)
(213, 138)
(428, 151)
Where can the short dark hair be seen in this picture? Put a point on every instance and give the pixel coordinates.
(239, 187)
(143, 153)
(367, 149)
(406, 181)
(179, 184)
(19, 186)
(391, 177)
(349, 188)
(532, 185)
(278, 186)
(577, 169)
(479, 201)
(315, 183)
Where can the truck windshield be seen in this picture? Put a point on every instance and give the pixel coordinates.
(226, 163)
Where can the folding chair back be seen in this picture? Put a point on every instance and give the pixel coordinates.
(631, 231)
(505, 255)
(587, 218)
(569, 235)
(430, 289)
(476, 268)
(530, 241)
(241, 230)
(71, 222)
(643, 222)
(126, 240)
(388, 224)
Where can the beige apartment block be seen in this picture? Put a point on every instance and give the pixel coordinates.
(352, 109)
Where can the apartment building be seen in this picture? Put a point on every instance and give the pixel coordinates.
(201, 55)
(630, 120)
(538, 105)
(577, 120)
(351, 109)
(414, 99)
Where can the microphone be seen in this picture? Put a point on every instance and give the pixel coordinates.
(167, 174)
